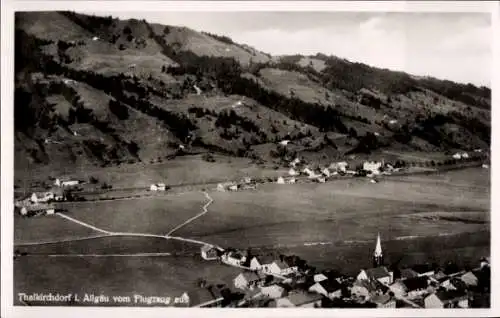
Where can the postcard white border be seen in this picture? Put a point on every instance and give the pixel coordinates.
(7, 91)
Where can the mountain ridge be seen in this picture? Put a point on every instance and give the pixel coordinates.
(98, 87)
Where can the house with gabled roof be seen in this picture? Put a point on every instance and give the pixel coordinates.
(367, 288)
(329, 288)
(423, 269)
(300, 298)
(380, 274)
(411, 287)
(273, 291)
(210, 296)
(247, 280)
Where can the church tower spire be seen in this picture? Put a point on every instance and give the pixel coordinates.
(378, 257)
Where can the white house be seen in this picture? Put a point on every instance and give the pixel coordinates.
(465, 155)
(447, 299)
(153, 187)
(247, 280)
(457, 156)
(233, 187)
(234, 258)
(209, 252)
(292, 172)
(290, 180)
(66, 183)
(309, 172)
(326, 172)
(95, 38)
(33, 209)
(295, 162)
(273, 291)
(37, 197)
(372, 166)
(280, 180)
(328, 288)
(378, 273)
(485, 166)
(284, 142)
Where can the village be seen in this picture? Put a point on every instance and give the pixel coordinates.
(299, 171)
(276, 280)
(288, 281)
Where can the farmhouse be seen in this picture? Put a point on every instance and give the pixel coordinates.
(247, 280)
(280, 180)
(300, 299)
(457, 156)
(308, 172)
(328, 288)
(268, 264)
(209, 252)
(292, 172)
(380, 274)
(284, 142)
(373, 167)
(234, 257)
(66, 182)
(465, 155)
(447, 299)
(290, 180)
(37, 197)
(36, 209)
(233, 187)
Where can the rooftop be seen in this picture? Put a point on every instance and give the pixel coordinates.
(377, 272)
(330, 285)
(415, 283)
(450, 295)
(301, 297)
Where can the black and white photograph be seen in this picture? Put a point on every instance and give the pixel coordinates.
(250, 159)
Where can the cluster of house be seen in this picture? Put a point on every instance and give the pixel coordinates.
(287, 281)
(158, 187)
(321, 175)
(460, 155)
(246, 183)
(41, 202)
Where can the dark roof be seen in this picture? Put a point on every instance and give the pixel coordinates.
(265, 259)
(422, 268)
(372, 285)
(302, 298)
(450, 295)
(415, 283)
(380, 299)
(250, 276)
(408, 273)
(377, 272)
(202, 295)
(330, 285)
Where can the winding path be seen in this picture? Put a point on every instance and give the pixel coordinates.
(106, 233)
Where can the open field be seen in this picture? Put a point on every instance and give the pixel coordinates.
(436, 217)
(116, 276)
(184, 170)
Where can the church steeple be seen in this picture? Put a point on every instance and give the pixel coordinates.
(378, 257)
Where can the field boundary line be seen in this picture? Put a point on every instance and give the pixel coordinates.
(62, 240)
(82, 223)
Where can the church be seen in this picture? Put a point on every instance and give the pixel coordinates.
(378, 272)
